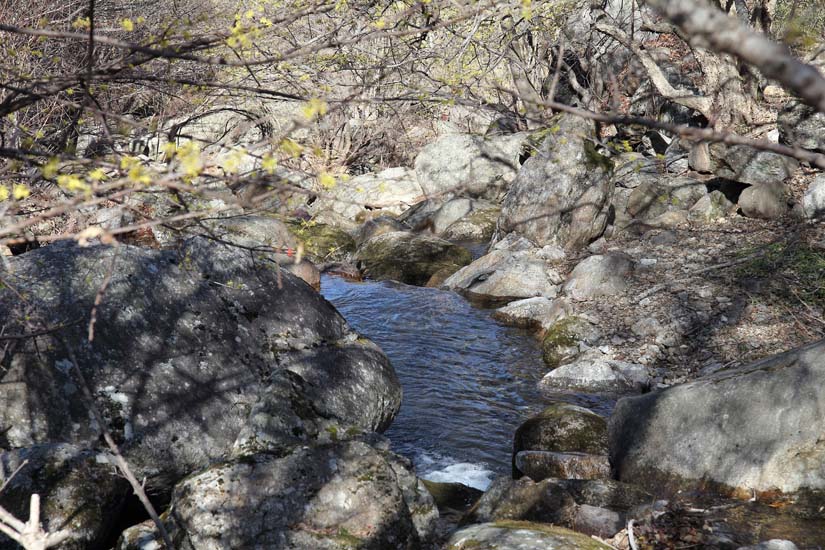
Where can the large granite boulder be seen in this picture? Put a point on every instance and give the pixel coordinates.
(336, 496)
(756, 427)
(562, 194)
(199, 353)
(464, 164)
(409, 258)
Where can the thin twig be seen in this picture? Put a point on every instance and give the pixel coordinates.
(99, 296)
(121, 463)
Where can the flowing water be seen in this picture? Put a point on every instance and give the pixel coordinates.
(468, 381)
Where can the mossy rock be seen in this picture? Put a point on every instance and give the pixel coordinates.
(323, 243)
(408, 258)
(563, 427)
(561, 340)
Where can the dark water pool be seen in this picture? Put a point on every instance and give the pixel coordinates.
(468, 381)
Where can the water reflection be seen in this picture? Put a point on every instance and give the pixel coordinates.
(468, 381)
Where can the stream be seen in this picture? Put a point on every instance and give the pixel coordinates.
(468, 381)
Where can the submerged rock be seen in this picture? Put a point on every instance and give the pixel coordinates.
(409, 258)
(757, 427)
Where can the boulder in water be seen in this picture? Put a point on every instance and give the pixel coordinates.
(409, 258)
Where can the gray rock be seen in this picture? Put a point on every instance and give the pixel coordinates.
(598, 276)
(562, 194)
(268, 236)
(676, 157)
(757, 427)
(534, 313)
(563, 427)
(597, 373)
(596, 521)
(192, 347)
(409, 258)
(450, 212)
(467, 164)
(349, 202)
(748, 165)
(80, 491)
(452, 496)
(378, 226)
(633, 169)
(455, 219)
(773, 544)
(699, 158)
(802, 126)
(553, 500)
(479, 225)
(328, 497)
(521, 536)
(651, 200)
(503, 275)
(538, 465)
(764, 201)
(711, 207)
(813, 202)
